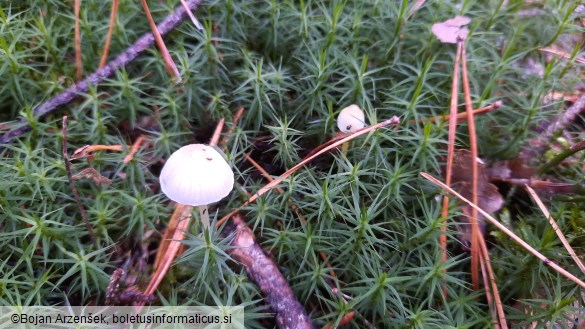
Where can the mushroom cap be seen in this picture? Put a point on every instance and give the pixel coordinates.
(351, 119)
(196, 175)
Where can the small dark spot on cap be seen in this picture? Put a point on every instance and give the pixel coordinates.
(209, 159)
(348, 127)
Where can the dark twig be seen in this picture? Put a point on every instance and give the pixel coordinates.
(537, 146)
(562, 156)
(146, 41)
(72, 185)
(264, 272)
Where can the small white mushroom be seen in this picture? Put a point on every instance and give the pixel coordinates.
(351, 119)
(196, 175)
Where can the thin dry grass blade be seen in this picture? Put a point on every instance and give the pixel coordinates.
(191, 16)
(555, 227)
(504, 229)
(474, 171)
(269, 186)
(415, 7)
(460, 118)
(563, 54)
(78, 62)
(169, 63)
(106, 51)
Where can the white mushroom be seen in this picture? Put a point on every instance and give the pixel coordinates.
(351, 119)
(196, 175)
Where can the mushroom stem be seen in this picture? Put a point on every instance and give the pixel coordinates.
(344, 149)
(204, 213)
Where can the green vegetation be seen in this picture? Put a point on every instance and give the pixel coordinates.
(292, 65)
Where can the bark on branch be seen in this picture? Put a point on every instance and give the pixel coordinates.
(146, 41)
(264, 272)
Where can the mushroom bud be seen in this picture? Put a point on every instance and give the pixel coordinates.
(351, 119)
(197, 175)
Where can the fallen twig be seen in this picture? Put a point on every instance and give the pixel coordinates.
(537, 146)
(265, 273)
(146, 41)
(562, 156)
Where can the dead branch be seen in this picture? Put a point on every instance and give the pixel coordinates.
(537, 146)
(264, 272)
(131, 53)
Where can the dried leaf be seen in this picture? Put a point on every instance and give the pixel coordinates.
(452, 30)
(93, 175)
(510, 169)
(489, 198)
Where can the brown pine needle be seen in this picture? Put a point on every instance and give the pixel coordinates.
(78, 62)
(474, 171)
(179, 214)
(175, 233)
(86, 150)
(507, 231)
(463, 115)
(491, 286)
(450, 155)
(217, 132)
(169, 63)
(106, 51)
(236, 118)
(345, 320)
(134, 149)
(488, 292)
(556, 228)
(265, 174)
(269, 186)
(182, 216)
